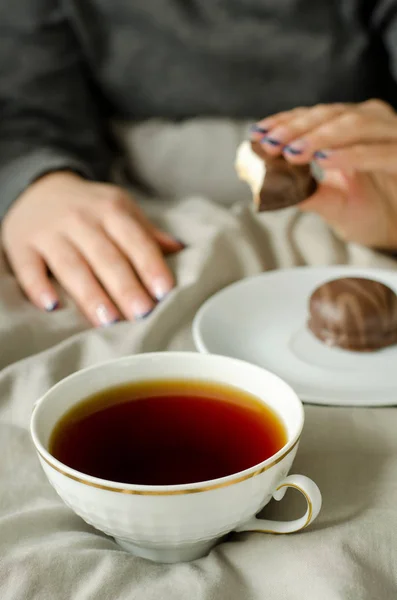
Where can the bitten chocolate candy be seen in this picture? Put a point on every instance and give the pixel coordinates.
(354, 313)
(274, 182)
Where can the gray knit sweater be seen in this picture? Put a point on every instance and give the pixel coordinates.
(66, 66)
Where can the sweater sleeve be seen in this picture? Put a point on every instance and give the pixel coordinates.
(49, 117)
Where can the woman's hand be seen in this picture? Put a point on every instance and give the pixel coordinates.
(356, 147)
(95, 241)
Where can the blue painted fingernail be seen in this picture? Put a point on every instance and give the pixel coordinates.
(51, 306)
(296, 147)
(104, 316)
(257, 129)
(161, 288)
(141, 308)
(321, 154)
(49, 303)
(143, 315)
(109, 323)
(271, 141)
(160, 296)
(178, 241)
(317, 171)
(293, 151)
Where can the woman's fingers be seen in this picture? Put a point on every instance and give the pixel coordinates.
(142, 251)
(264, 126)
(298, 126)
(73, 272)
(113, 270)
(362, 157)
(95, 237)
(166, 241)
(303, 133)
(377, 107)
(345, 130)
(32, 274)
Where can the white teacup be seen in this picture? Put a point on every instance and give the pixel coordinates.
(179, 522)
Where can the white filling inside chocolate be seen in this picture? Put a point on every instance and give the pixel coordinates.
(250, 167)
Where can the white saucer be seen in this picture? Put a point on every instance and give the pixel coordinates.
(263, 320)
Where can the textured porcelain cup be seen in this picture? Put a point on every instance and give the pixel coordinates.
(179, 522)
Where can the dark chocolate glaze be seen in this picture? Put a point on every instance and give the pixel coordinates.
(284, 184)
(354, 313)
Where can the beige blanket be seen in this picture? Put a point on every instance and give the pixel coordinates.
(48, 553)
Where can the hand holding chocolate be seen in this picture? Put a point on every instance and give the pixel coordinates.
(275, 183)
(355, 314)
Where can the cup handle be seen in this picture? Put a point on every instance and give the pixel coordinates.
(308, 488)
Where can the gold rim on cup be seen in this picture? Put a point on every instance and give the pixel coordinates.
(178, 492)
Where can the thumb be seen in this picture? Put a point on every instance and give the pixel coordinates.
(334, 189)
